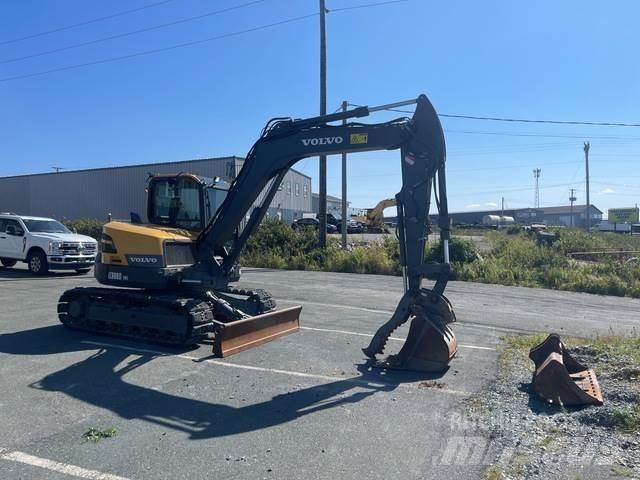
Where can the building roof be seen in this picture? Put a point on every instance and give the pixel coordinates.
(566, 209)
(559, 210)
(329, 197)
(135, 165)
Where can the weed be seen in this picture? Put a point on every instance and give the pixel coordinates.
(545, 442)
(95, 435)
(621, 471)
(494, 472)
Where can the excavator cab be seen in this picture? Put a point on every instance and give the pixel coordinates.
(184, 201)
(154, 255)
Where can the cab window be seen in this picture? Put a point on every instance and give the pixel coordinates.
(176, 203)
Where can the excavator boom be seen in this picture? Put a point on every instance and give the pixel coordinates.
(420, 139)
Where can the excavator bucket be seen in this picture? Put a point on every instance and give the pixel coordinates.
(561, 380)
(239, 335)
(430, 344)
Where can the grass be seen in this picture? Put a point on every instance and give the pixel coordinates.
(514, 258)
(627, 421)
(95, 435)
(621, 471)
(517, 468)
(545, 442)
(494, 472)
(520, 260)
(612, 346)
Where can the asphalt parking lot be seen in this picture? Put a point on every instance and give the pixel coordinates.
(303, 407)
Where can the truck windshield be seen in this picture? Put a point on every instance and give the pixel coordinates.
(176, 203)
(45, 226)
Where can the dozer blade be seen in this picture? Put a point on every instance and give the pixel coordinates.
(430, 344)
(234, 337)
(559, 378)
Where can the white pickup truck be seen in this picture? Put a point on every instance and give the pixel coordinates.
(44, 244)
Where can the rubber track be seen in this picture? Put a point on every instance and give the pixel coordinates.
(195, 314)
(262, 297)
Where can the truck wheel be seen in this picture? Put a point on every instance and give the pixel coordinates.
(83, 270)
(8, 262)
(37, 263)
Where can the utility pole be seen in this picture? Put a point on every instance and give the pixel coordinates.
(502, 212)
(536, 200)
(58, 169)
(344, 189)
(322, 194)
(586, 162)
(572, 198)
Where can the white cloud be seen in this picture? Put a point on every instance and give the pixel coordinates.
(606, 191)
(490, 204)
(473, 205)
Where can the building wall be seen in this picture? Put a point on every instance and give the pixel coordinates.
(118, 191)
(334, 205)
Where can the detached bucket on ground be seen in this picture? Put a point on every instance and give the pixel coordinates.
(560, 379)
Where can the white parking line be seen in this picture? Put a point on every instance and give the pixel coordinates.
(346, 332)
(390, 312)
(59, 467)
(355, 380)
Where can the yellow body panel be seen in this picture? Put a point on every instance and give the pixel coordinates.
(132, 239)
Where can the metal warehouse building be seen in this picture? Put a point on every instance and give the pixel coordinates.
(96, 193)
(564, 215)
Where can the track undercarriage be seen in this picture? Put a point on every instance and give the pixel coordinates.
(231, 318)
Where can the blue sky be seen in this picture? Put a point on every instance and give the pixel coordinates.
(569, 60)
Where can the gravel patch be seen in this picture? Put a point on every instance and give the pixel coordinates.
(534, 440)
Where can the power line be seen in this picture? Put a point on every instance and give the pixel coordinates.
(86, 22)
(519, 120)
(552, 122)
(162, 49)
(509, 134)
(329, 10)
(557, 185)
(186, 44)
(134, 32)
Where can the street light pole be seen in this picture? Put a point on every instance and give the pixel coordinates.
(586, 162)
(322, 193)
(344, 189)
(572, 198)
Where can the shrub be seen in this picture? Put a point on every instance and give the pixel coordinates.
(460, 251)
(86, 226)
(514, 259)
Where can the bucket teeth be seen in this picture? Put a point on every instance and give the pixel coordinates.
(559, 378)
(430, 344)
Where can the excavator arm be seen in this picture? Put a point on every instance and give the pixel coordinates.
(374, 215)
(420, 139)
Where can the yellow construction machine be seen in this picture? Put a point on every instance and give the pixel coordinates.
(168, 280)
(374, 218)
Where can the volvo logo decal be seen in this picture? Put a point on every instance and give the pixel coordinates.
(322, 141)
(145, 260)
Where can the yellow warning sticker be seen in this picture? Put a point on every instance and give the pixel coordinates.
(359, 138)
